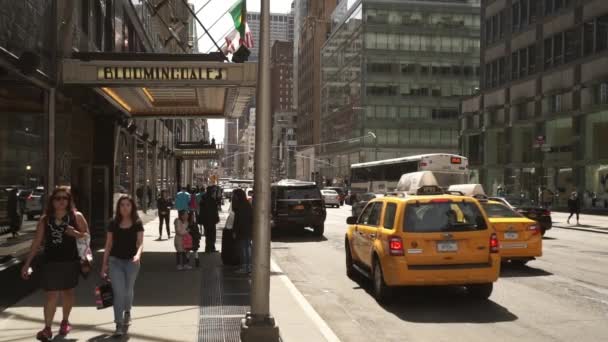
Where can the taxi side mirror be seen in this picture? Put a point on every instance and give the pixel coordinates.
(351, 220)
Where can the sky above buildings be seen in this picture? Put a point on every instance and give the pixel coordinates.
(214, 14)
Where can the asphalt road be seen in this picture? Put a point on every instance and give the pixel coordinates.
(562, 296)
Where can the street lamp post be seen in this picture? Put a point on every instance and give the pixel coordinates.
(259, 325)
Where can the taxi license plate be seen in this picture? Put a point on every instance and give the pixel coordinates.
(447, 246)
(299, 207)
(511, 236)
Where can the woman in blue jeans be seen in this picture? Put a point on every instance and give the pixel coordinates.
(243, 227)
(124, 244)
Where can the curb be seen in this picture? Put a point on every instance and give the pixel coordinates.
(590, 230)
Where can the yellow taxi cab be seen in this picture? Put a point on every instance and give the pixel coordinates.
(426, 237)
(520, 238)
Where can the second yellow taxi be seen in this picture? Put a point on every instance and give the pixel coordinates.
(520, 238)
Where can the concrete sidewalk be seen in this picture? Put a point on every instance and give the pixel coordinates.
(204, 304)
(589, 223)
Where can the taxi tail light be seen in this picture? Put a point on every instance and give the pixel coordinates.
(494, 245)
(534, 229)
(440, 200)
(547, 212)
(395, 246)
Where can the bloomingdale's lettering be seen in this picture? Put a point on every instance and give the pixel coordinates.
(160, 73)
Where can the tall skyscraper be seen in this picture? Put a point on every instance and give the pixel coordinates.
(399, 73)
(540, 120)
(281, 28)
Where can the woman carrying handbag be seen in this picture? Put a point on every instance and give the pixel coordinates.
(121, 259)
(57, 231)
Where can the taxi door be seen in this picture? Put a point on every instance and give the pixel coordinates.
(367, 231)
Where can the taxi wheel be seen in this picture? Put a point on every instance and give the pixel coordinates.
(480, 291)
(543, 231)
(382, 292)
(350, 269)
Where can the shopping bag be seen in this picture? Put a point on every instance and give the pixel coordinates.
(104, 297)
(187, 242)
(86, 255)
(230, 221)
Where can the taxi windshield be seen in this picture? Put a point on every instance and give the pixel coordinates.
(443, 217)
(496, 210)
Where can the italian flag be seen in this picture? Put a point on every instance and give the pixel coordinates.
(241, 34)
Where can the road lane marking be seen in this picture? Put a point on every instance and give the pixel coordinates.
(325, 330)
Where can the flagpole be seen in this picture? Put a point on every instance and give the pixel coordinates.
(258, 325)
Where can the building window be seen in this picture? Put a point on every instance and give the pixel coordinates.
(552, 6)
(572, 44)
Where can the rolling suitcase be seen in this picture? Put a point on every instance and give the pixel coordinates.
(230, 250)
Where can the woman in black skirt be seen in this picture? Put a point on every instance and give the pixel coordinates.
(57, 231)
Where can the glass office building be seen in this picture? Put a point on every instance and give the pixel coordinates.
(398, 69)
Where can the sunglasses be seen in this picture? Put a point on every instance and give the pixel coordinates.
(61, 198)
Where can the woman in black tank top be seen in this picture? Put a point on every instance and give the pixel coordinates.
(57, 231)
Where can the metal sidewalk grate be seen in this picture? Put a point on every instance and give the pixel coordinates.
(224, 301)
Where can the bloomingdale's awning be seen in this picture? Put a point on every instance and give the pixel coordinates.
(165, 85)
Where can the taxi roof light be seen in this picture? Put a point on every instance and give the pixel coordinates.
(419, 183)
(474, 190)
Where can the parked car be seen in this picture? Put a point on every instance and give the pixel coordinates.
(529, 210)
(34, 203)
(297, 204)
(331, 198)
(358, 202)
(341, 193)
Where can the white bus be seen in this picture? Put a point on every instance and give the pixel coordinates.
(382, 176)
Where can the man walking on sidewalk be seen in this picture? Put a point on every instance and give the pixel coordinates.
(209, 217)
(182, 200)
(574, 204)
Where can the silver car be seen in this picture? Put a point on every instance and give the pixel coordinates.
(34, 203)
(331, 198)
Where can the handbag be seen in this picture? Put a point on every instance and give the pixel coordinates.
(187, 241)
(86, 255)
(230, 221)
(104, 297)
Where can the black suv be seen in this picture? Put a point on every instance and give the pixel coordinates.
(296, 205)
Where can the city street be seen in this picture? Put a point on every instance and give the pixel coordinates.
(562, 296)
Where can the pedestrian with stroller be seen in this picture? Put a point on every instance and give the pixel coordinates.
(209, 217)
(243, 227)
(574, 205)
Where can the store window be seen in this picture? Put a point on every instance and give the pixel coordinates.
(595, 137)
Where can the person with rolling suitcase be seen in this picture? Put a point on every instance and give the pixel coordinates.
(230, 251)
(243, 228)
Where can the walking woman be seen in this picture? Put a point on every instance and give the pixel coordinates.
(57, 231)
(574, 204)
(243, 227)
(163, 204)
(122, 256)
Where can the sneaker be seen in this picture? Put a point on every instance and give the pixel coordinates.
(180, 267)
(65, 328)
(127, 317)
(120, 330)
(44, 335)
(568, 221)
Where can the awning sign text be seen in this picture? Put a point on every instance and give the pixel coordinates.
(108, 73)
